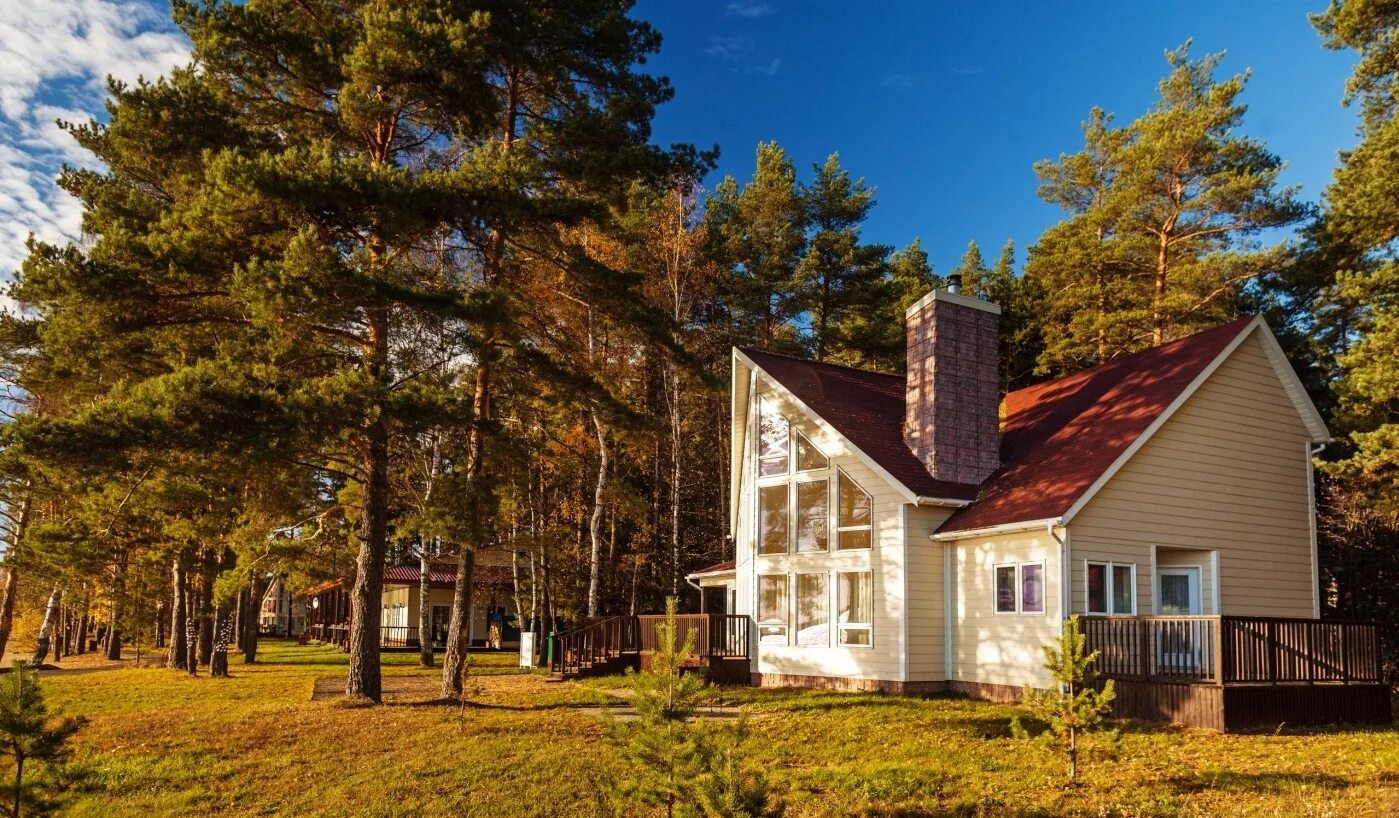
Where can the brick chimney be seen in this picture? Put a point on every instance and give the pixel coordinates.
(952, 407)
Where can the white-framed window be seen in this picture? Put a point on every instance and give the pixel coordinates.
(854, 609)
(810, 458)
(774, 441)
(1018, 587)
(1111, 588)
(772, 609)
(813, 515)
(813, 611)
(852, 514)
(773, 526)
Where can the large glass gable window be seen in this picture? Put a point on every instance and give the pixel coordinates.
(774, 441)
(853, 523)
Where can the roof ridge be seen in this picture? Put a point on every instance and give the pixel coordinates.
(813, 362)
(1128, 358)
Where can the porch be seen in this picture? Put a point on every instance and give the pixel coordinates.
(613, 644)
(1241, 672)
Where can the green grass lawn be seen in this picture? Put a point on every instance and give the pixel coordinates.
(161, 743)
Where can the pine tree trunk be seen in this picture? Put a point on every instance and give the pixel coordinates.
(118, 590)
(223, 634)
(253, 627)
(1158, 293)
(458, 629)
(192, 630)
(41, 647)
(366, 596)
(179, 615)
(424, 608)
(206, 611)
(60, 633)
(595, 523)
(11, 587)
(84, 627)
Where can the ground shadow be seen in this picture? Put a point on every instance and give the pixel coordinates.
(1235, 781)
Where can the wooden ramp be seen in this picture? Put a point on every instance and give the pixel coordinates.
(609, 645)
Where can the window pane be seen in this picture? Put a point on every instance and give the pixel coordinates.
(855, 605)
(1097, 588)
(859, 538)
(773, 442)
(772, 610)
(1005, 589)
(855, 636)
(1032, 589)
(813, 515)
(772, 522)
(813, 611)
(808, 456)
(1122, 589)
(854, 504)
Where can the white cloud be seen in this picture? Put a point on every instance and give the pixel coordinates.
(899, 80)
(725, 47)
(749, 8)
(764, 70)
(54, 60)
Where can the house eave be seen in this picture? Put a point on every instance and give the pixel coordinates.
(993, 530)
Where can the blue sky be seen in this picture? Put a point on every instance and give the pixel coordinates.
(943, 107)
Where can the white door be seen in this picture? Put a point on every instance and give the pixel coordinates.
(1178, 591)
(1179, 644)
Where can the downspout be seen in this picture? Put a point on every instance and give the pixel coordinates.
(1312, 454)
(1065, 575)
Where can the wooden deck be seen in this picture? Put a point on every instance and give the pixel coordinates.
(613, 644)
(1239, 673)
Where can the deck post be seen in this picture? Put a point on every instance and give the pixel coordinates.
(1145, 649)
(1219, 651)
(1272, 631)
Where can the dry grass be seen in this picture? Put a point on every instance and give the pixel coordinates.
(160, 743)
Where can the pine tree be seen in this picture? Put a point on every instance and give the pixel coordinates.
(1076, 706)
(759, 238)
(28, 732)
(1162, 212)
(840, 282)
(1358, 238)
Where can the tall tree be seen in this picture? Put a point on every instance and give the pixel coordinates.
(759, 235)
(1162, 213)
(840, 282)
(1359, 233)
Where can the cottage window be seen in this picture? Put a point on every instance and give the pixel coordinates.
(813, 515)
(772, 610)
(854, 608)
(773, 527)
(809, 458)
(853, 522)
(774, 441)
(1111, 588)
(813, 611)
(1019, 587)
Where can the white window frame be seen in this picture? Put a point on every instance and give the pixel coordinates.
(787, 612)
(765, 403)
(790, 546)
(795, 435)
(796, 582)
(841, 627)
(836, 527)
(1110, 585)
(1019, 588)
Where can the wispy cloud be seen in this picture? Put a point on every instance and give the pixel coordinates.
(54, 60)
(968, 71)
(899, 80)
(764, 70)
(749, 8)
(729, 47)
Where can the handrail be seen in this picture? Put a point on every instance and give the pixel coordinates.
(1235, 649)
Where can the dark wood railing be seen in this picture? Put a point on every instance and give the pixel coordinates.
(602, 640)
(1234, 649)
(716, 635)
(596, 641)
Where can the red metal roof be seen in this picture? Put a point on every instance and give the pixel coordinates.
(867, 408)
(1057, 437)
(446, 576)
(717, 568)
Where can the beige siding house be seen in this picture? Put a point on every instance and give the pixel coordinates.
(918, 533)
